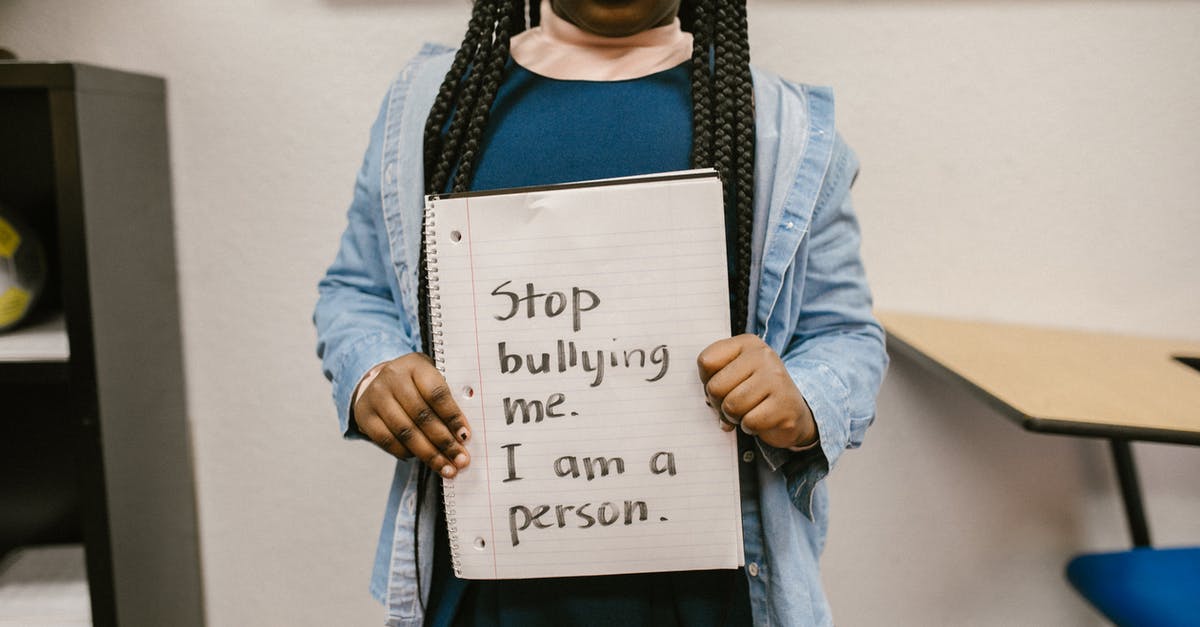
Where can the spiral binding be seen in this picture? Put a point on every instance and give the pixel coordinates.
(439, 360)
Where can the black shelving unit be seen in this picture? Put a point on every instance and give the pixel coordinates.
(92, 405)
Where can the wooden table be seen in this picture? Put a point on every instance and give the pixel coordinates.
(1118, 387)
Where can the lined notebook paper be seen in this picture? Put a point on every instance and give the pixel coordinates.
(567, 321)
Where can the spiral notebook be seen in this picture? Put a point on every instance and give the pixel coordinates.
(567, 321)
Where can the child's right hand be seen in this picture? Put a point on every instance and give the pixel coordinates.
(408, 410)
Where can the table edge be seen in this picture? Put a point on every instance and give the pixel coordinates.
(1040, 424)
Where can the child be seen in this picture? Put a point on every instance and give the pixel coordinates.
(596, 89)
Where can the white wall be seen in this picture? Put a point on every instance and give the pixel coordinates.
(1025, 161)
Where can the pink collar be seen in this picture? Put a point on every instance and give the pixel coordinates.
(559, 49)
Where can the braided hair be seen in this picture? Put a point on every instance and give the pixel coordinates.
(722, 116)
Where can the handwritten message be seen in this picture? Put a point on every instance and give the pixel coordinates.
(566, 357)
(570, 323)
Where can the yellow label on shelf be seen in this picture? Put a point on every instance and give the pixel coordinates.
(13, 303)
(10, 240)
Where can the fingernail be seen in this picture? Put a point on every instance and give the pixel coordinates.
(447, 471)
(463, 434)
(747, 430)
(461, 460)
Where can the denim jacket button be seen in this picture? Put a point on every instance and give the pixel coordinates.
(752, 568)
(748, 456)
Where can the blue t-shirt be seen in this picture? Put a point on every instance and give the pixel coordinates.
(544, 131)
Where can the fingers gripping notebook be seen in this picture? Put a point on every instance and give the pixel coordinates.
(567, 321)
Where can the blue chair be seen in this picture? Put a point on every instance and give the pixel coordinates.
(1142, 587)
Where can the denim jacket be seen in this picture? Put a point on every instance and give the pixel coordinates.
(810, 302)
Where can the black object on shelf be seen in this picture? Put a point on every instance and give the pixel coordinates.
(99, 424)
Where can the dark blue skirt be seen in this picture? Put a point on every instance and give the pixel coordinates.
(711, 598)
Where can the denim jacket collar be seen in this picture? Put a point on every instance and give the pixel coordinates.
(788, 174)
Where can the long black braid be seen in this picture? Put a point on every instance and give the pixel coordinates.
(722, 123)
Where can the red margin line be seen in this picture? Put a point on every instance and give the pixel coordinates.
(487, 466)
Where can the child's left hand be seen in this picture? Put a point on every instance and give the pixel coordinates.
(748, 384)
